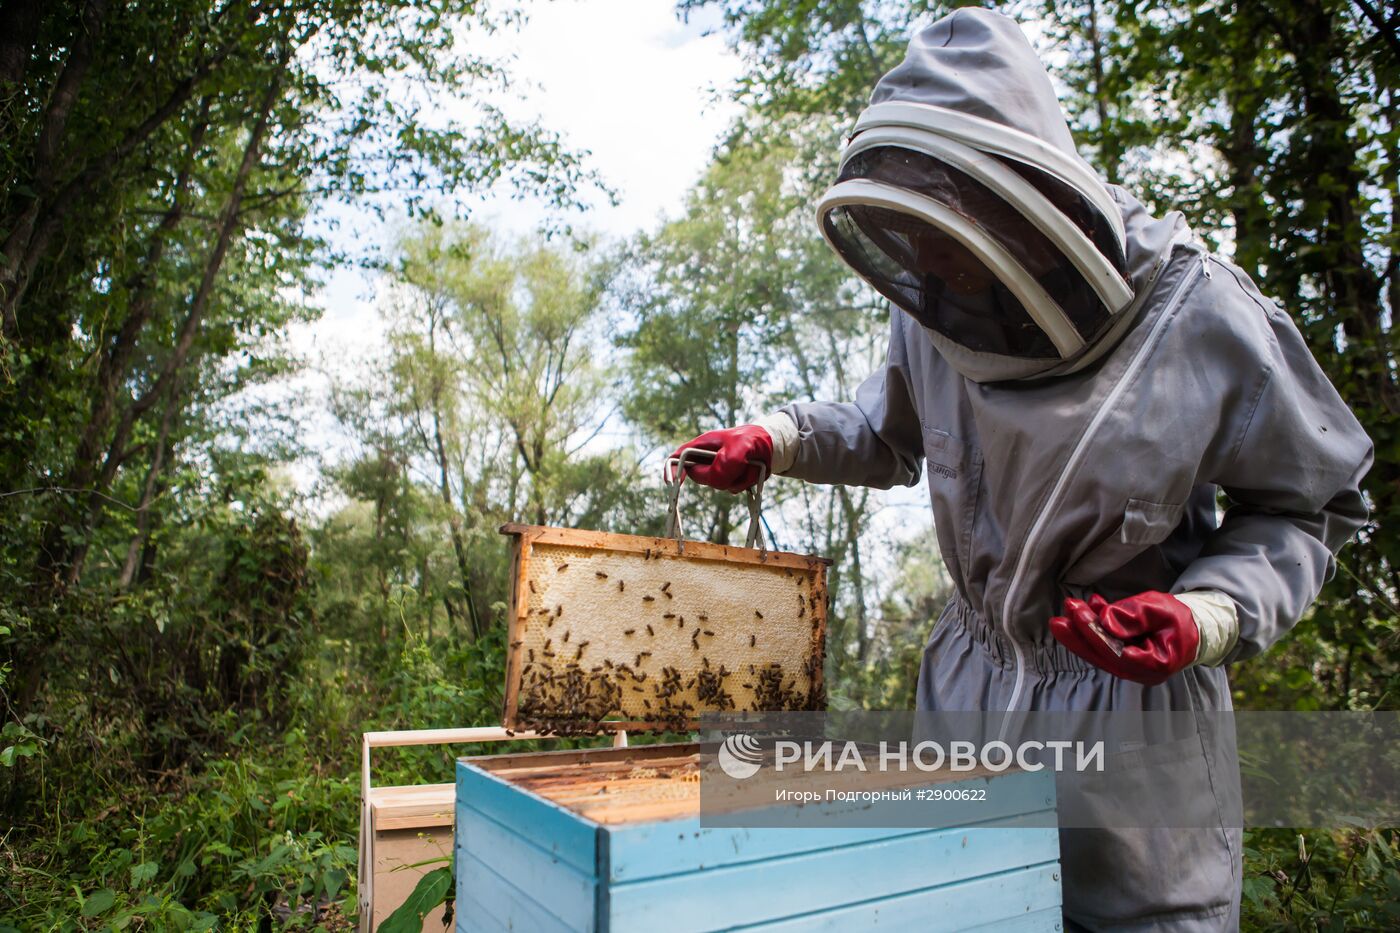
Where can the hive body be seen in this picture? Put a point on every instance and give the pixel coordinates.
(610, 840)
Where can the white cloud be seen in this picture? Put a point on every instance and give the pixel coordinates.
(625, 80)
(644, 94)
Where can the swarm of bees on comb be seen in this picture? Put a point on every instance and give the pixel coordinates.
(659, 638)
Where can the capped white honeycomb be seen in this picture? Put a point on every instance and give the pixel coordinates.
(661, 638)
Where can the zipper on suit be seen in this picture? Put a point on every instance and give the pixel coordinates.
(1052, 501)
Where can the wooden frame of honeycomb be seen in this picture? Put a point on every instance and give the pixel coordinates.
(617, 631)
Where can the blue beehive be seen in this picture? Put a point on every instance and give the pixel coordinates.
(610, 840)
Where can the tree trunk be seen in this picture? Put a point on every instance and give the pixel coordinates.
(154, 483)
(112, 371)
(1110, 153)
(44, 166)
(32, 230)
(228, 224)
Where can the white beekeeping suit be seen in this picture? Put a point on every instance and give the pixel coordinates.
(1081, 378)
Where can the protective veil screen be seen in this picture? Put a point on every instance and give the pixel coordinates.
(942, 283)
(937, 280)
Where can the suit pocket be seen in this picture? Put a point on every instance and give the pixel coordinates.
(955, 482)
(1144, 524)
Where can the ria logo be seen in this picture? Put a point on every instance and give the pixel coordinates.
(740, 755)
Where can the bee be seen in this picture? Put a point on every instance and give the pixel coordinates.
(532, 653)
(709, 633)
(562, 567)
(758, 614)
(648, 599)
(509, 733)
(566, 635)
(704, 618)
(668, 615)
(628, 631)
(666, 586)
(532, 586)
(515, 644)
(649, 630)
(621, 586)
(600, 575)
(546, 643)
(753, 640)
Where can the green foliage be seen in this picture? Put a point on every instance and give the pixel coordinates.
(431, 892)
(1321, 881)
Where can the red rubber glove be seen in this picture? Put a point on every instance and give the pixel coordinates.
(734, 447)
(1146, 638)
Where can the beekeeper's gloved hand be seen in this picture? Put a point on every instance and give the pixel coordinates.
(1150, 636)
(771, 440)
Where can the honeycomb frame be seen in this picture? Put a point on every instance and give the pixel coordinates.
(611, 631)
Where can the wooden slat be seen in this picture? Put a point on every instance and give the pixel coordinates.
(986, 901)
(406, 807)
(670, 547)
(826, 879)
(1048, 920)
(520, 552)
(487, 903)
(564, 890)
(570, 757)
(646, 850)
(749, 803)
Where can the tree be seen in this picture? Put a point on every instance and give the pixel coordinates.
(161, 161)
(1270, 125)
(484, 409)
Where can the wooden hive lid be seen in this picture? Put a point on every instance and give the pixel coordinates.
(610, 631)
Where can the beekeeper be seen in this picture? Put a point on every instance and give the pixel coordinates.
(1081, 378)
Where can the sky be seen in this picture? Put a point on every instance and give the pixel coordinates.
(642, 94)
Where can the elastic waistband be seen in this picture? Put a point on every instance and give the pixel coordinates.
(1045, 656)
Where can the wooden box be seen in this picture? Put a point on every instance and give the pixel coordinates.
(610, 840)
(410, 826)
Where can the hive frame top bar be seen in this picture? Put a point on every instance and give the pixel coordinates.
(660, 546)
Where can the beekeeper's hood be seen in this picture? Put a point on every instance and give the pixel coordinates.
(962, 199)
